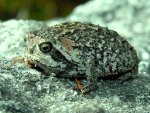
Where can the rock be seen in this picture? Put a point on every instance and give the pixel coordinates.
(25, 90)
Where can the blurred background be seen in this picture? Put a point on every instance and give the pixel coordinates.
(36, 9)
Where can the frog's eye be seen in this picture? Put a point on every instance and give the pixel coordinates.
(45, 47)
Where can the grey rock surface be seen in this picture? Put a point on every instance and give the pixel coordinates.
(24, 90)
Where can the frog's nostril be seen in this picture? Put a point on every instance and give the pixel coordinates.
(31, 50)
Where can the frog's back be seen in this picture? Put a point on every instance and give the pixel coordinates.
(112, 53)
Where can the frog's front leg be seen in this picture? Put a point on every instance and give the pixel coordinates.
(91, 77)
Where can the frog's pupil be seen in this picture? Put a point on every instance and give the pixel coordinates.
(46, 48)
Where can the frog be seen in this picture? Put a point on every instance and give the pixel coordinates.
(81, 50)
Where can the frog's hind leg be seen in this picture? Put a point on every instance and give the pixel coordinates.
(128, 74)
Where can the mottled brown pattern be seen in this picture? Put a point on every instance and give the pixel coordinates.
(67, 43)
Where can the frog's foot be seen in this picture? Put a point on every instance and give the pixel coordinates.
(129, 74)
(127, 77)
(88, 88)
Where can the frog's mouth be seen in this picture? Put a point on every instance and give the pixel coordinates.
(36, 65)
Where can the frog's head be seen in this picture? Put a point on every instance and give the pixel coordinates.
(46, 52)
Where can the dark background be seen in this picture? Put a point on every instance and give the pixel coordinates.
(36, 9)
